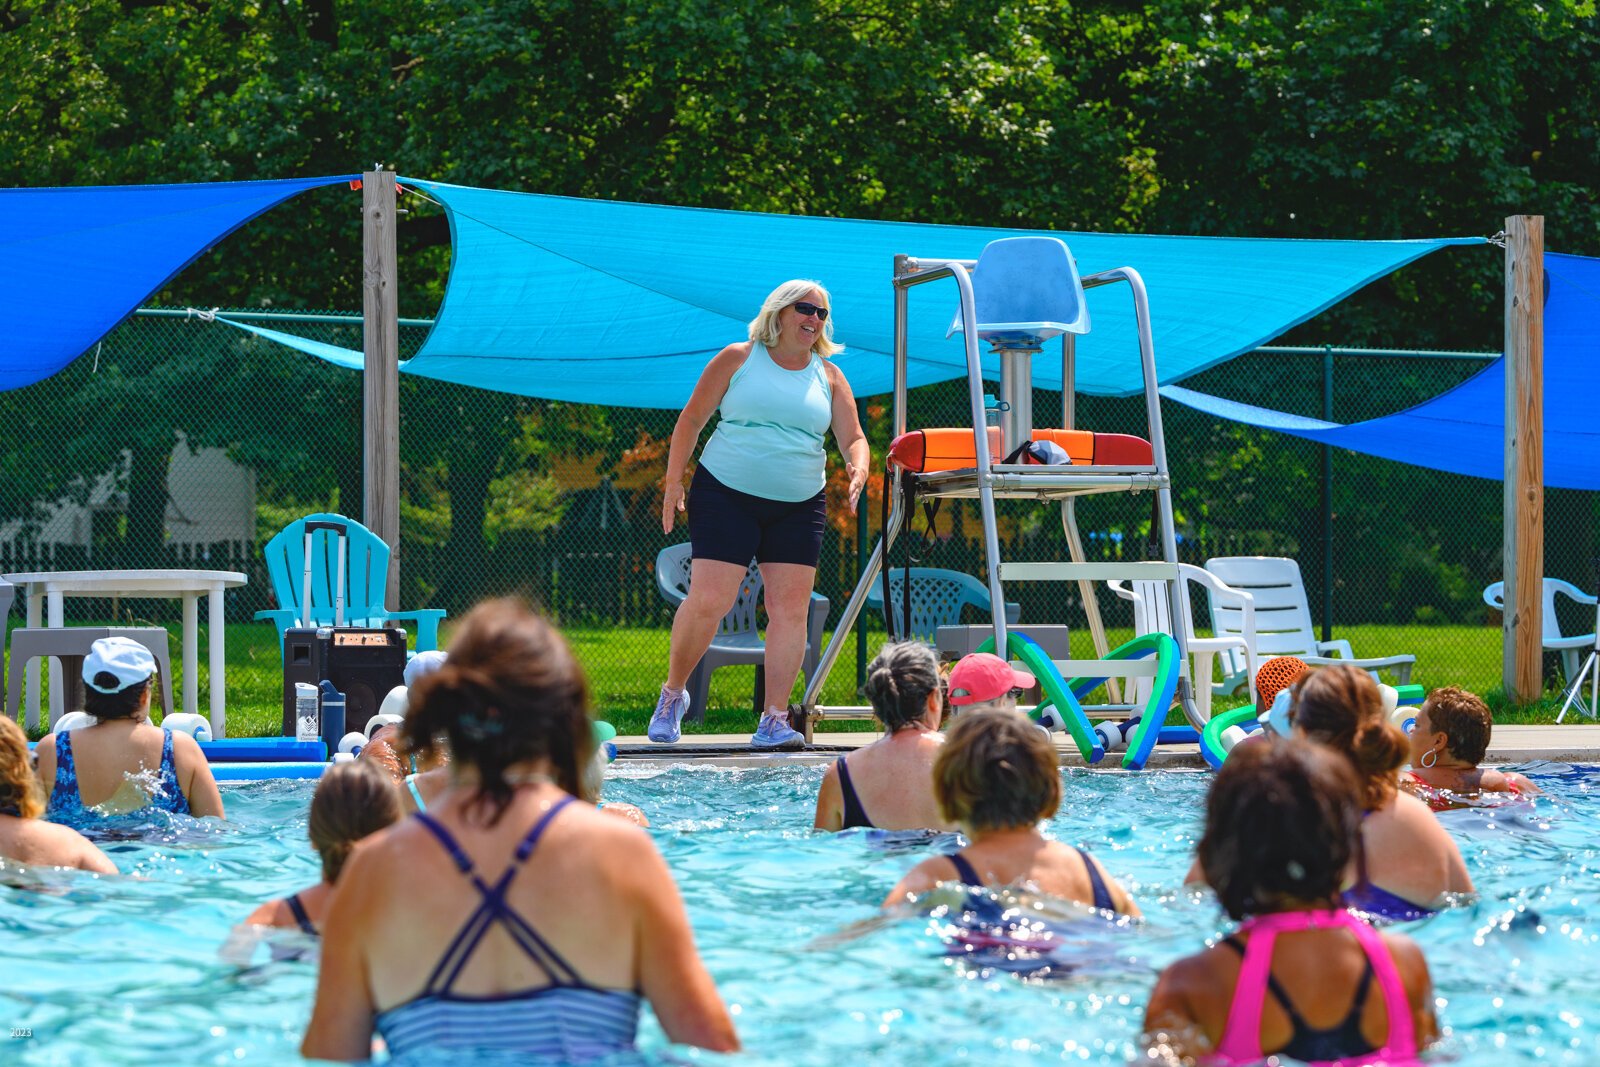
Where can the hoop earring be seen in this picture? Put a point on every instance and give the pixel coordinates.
(1429, 758)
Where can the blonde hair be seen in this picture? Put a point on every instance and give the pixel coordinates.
(764, 327)
(19, 788)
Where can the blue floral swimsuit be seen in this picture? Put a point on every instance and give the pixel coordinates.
(66, 803)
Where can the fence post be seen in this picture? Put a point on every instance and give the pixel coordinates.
(380, 378)
(1523, 501)
(1327, 498)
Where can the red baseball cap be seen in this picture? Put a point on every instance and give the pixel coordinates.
(982, 677)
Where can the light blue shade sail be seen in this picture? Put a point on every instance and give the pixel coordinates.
(347, 358)
(623, 304)
(75, 261)
(1463, 430)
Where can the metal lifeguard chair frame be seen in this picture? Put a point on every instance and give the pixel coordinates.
(1016, 343)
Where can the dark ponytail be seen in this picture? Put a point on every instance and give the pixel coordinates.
(119, 705)
(899, 679)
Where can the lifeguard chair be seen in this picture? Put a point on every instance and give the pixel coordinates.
(1018, 294)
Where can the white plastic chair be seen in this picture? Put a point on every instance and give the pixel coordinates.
(1152, 614)
(1571, 646)
(1283, 619)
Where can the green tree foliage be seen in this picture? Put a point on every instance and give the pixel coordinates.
(1377, 119)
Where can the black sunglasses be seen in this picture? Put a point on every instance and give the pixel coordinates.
(805, 307)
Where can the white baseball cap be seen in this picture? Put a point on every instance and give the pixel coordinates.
(121, 657)
(423, 664)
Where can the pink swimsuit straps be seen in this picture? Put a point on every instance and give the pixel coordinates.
(1241, 1036)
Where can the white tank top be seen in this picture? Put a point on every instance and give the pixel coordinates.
(768, 440)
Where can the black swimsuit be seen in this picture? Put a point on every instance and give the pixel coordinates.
(1316, 1044)
(1097, 884)
(298, 910)
(854, 813)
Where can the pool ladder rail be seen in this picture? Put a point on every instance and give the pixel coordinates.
(1027, 290)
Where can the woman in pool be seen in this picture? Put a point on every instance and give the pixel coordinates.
(24, 837)
(509, 917)
(1449, 740)
(382, 746)
(353, 800)
(1405, 861)
(122, 764)
(758, 493)
(997, 777)
(982, 681)
(1302, 978)
(892, 778)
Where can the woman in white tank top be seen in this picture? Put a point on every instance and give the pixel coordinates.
(758, 493)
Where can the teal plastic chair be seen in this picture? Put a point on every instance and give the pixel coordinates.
(937, 597)
(366, 573)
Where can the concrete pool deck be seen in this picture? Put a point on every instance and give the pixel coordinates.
(1565, 743)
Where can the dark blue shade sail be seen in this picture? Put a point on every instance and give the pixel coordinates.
(1463, 430)
(75, 261)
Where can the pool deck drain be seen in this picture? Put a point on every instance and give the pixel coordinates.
(1566, 743)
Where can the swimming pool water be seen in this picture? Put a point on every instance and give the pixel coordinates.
(126, 970)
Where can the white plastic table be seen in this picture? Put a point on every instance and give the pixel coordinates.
(47, 590)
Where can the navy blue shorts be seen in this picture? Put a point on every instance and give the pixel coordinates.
(727, 525)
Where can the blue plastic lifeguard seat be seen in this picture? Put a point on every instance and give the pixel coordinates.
(1026, 290)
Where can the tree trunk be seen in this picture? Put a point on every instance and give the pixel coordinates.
(467, 481)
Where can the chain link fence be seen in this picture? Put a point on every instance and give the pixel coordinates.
(185, 442)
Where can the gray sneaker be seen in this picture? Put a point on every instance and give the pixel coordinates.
(775, 732)
(665, 723)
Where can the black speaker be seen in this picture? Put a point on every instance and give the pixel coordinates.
(362, 663)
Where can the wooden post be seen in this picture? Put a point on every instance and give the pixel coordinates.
(380, 380)
(1523, 505)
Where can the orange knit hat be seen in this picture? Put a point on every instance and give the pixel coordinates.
(1275, 675)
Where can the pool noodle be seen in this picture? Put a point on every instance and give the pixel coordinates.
(1165, 684)
(1056, 692)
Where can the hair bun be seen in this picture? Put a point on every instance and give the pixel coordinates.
(1380, 747)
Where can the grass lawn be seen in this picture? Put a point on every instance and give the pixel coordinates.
(626, 667)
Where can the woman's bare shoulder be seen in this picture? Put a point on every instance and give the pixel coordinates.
(392, 850)
(272, 913)
(1408, 959)
(62, 846)
(184, 746)
(607, 832)
(1412, 811)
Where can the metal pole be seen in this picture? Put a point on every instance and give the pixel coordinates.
(1327, 499)
(862, 531)
(1176, 603)
(902, 358)
(1523, 502)
(380, 379)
